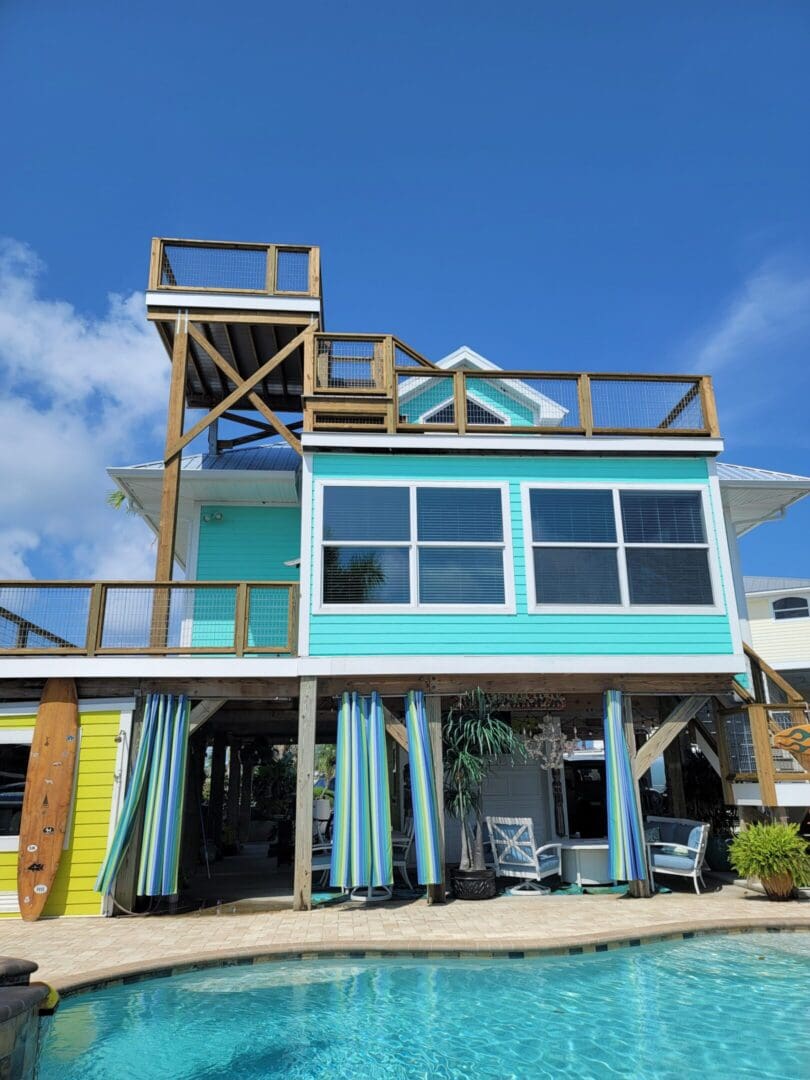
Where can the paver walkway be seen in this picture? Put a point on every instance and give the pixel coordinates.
(74, 950)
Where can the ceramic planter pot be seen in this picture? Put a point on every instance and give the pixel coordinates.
(473, 884)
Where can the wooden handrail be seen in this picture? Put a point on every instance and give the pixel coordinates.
(324, 410)
(158, 263)
(91, 626)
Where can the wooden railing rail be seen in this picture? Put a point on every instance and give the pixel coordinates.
(390, 387)
(221, 266)
(152, 618)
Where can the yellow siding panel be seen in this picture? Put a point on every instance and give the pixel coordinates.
(779, 641)
(73, 892)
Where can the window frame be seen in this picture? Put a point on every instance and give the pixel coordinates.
(625, 607)
(790, 618)
(413, 544)
(16, 736)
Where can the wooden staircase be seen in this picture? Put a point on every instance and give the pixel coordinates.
(769, 718)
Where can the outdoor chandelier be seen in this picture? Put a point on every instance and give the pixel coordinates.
(546, 744)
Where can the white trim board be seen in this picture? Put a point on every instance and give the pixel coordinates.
(147, 667)
(533, 664)
(517, 444)
(214, 667)
(306, 569)
(231, 301)
(86, 705)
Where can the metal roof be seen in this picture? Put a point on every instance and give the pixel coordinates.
(753, 496)
(747, 473)
(276, 457)
(774, 584)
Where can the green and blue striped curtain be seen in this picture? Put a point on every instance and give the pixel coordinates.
(361, 837)
(423, 792)
(625, 826)
(158, 783)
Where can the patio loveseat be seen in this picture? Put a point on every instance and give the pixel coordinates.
(677, 846)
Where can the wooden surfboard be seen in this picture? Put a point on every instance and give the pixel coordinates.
(48, 792)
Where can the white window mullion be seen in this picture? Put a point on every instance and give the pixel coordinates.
(624, 586)
(413, 556)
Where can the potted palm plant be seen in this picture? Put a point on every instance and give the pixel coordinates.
(775, 854)
(473, 740)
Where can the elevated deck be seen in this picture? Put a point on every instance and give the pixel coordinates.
(247, 302)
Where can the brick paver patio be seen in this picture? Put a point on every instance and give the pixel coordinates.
(71, 951)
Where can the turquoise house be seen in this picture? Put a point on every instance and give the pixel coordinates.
(366, 518)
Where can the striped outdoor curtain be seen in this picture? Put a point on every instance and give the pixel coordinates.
(423, 792)
(158, 781)
(361, 837)
(625, 827)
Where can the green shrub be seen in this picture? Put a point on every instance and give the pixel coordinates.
(762, 851)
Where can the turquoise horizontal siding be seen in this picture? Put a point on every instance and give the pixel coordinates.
(249, 543)
(521, 633)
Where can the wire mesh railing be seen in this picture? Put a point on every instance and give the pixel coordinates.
(149, 618)
(351, 365)
(424, 397)
(660, 404)
(219, 266)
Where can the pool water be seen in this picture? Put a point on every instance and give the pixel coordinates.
(730, 1006)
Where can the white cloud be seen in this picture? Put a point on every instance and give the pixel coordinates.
(771, 310)
(79, 393)
(756, 351)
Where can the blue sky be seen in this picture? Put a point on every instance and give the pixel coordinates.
(601, 186)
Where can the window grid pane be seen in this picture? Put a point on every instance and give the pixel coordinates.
(466, 515)
(366, 575)
(573, 575)
(662, 517)
(670, 576)
(366, 513)
(450, 575)
(572, 516)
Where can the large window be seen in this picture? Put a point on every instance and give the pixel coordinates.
(607, 547)
(791, 607)
(413, 545)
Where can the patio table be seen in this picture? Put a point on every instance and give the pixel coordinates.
(585, 862)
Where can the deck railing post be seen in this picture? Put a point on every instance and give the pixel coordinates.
(270, 272)
(240, 619)
(460, 401)
(292, 621)
(763, 755)
(95, 618)
(709, 407)
(585, 403)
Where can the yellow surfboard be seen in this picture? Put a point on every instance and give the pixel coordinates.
(48, 794)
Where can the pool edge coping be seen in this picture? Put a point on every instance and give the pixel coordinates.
(447, 949)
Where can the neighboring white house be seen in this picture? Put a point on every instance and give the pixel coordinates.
(779, 618)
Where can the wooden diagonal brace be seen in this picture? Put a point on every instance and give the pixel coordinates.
(203, 711)
(243, 387)
(668, 730)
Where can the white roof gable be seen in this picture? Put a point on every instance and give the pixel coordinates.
(545, 409)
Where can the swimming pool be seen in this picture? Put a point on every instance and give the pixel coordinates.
(708, 1007)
